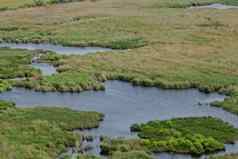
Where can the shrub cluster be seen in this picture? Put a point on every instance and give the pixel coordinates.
(195, 135)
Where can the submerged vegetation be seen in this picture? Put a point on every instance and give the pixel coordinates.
(41, 133)
(195, 135)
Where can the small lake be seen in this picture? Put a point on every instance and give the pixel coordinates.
(215, 6)
(65, 50)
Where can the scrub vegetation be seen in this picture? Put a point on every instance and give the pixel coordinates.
(41, 133)
(195, 135)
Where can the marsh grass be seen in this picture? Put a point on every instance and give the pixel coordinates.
(42, 132)
(63, 82)
(195, 135)
(14, 63)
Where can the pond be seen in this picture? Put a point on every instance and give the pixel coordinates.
(46, 69)
(66, 50)
(124, 105)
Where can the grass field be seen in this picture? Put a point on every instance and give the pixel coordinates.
(41, 133)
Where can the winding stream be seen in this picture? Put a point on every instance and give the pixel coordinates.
(216, 6)
(65, 50)
(124, 105)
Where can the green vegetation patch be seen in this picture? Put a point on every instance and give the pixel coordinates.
(195, 135)
(41, 133)
(4, 86)
(15, 4)
(63, 82)
(230, 103)
(232, 156)
(4, 105)
(131, 155)
(15, 63)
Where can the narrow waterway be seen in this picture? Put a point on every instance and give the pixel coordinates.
(215, 6)
(65, 50)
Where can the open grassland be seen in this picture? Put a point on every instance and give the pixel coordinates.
(169, 47)
(41, 133)
(196, 136)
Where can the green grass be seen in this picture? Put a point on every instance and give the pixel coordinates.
(63, 82)
(15, 63)
(4, 105)
(195, 135)
(232, 156)
(41, 133)
(5, 86)
(14, 4)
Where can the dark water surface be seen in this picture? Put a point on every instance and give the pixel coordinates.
(65, 50)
